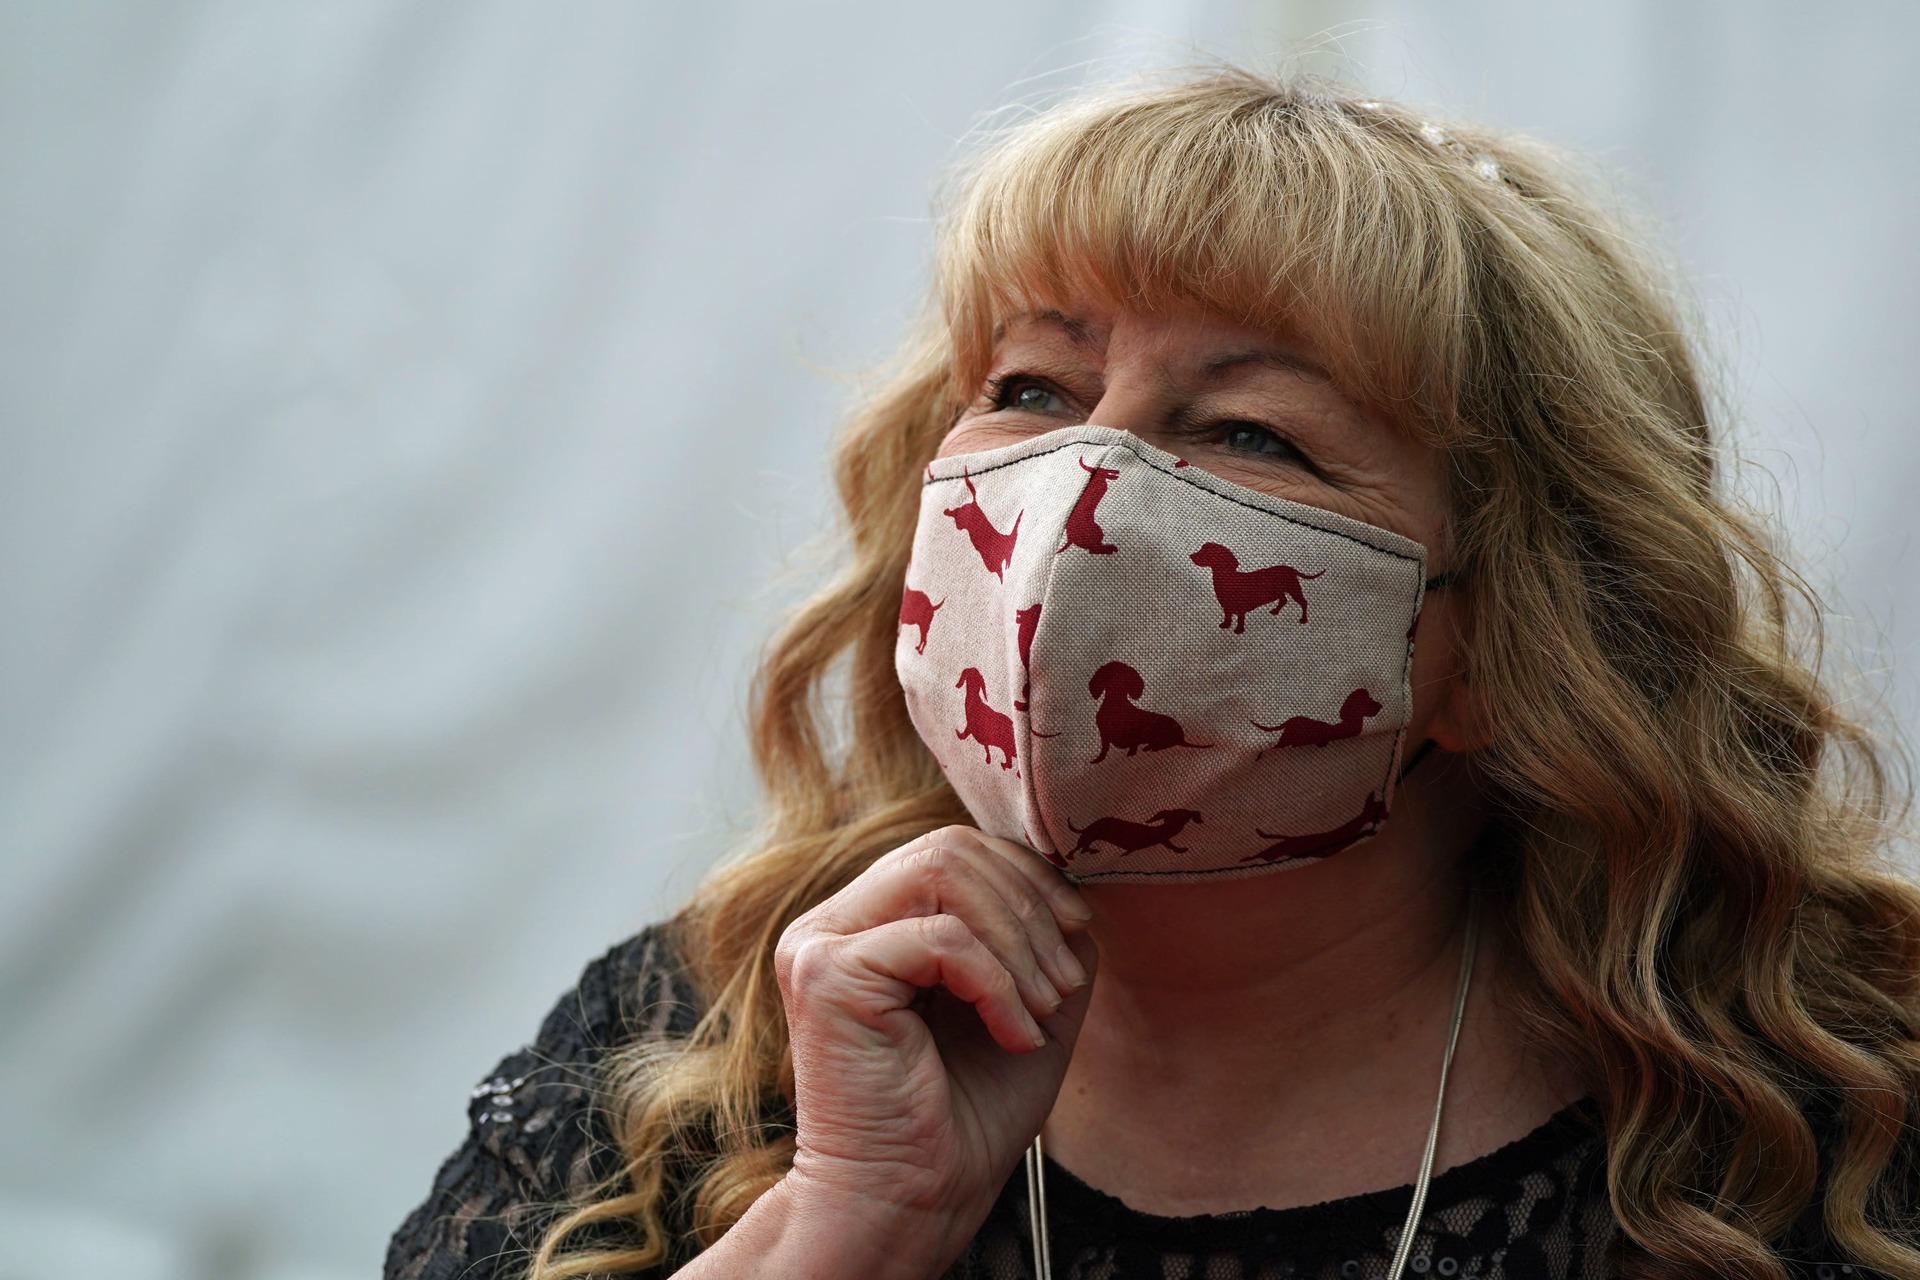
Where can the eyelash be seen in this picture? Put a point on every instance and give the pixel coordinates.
(1000, 388)
(1209, 431)
(1000, 385)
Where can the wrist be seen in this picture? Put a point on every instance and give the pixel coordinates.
(799, 1230)
(850, 1231)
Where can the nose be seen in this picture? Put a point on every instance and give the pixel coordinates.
(1133, 400)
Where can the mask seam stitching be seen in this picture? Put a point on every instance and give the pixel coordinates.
(1029, 784)
(1193, 484)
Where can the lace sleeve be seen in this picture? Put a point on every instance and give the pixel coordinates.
(535, 1139)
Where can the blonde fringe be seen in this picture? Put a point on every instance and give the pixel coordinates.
(1696, 836)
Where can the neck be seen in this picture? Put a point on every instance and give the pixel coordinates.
(1277, 1040)
(1301, 950)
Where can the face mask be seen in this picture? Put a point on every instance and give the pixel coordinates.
(1145, 672)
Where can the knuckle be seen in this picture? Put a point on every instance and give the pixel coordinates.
(784, 949)
(943, 874)
(948, 934)
(930, 862)
(1027, 905)
(910, 859)
(953, 837)
(1003, 983)
(808, 960)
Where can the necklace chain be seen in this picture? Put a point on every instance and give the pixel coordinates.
(1037, 1154)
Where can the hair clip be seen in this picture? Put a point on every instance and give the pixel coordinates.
(1480, 162)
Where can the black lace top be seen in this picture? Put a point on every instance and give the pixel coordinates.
(1534, 1209)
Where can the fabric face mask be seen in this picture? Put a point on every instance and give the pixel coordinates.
(1146, 672)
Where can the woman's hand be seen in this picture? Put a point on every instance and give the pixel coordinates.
(932, 1006)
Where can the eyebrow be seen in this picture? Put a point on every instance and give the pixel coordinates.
(1077, 330)
(1268, 358)
(1081, 334)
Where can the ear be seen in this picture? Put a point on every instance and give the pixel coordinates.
(1460, 724)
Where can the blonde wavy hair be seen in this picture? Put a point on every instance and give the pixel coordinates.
(1696, 854)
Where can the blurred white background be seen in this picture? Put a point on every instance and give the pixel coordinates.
(408, 407)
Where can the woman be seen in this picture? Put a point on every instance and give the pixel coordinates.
(1565, 947)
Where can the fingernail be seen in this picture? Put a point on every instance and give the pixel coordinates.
(1039, 1037)
(1070, 967)
(1075, 908)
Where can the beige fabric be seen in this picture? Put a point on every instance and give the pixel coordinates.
(1144, 671)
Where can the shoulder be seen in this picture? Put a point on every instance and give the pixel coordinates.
(638, 989)
(535, 1138)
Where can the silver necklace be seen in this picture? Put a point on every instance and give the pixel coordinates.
(1037, 1154)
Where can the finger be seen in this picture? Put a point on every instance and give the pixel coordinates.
(1000, 861)
(926, 878)
(1063, 1025)
(941, 951)
(1013, 926)
(1069, 905)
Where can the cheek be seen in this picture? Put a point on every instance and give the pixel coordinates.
(978, 436)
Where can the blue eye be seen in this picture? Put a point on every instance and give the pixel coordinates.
(1248, 437)
(1028, 397)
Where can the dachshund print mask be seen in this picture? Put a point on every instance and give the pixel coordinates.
(1145, 672)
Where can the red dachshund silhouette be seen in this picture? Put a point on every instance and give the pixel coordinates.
(1305, 731)
(1241, 593)
(1082, 529)
(1132, 837)
(1319, 844)
(1026, 621)
(995, 547)
(984, 725)
(916, 610)
(1124, 725)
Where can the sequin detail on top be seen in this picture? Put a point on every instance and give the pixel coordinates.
(1534, 1210)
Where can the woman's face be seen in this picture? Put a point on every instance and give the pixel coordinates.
(1246, 406)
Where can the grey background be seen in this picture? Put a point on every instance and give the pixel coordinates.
(411, 415)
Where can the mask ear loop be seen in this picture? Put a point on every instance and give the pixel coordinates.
(1434, 583)
(1419, 754)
